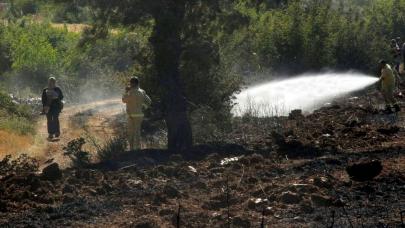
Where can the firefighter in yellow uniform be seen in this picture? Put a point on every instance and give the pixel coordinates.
(387, 81)
(135, 99)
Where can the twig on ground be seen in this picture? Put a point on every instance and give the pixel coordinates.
(178, 217)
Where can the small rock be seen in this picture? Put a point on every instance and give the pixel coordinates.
(290, 198)
(227, 161)
(51, 172)
(192, 169)
(321, 201)
(257, 204)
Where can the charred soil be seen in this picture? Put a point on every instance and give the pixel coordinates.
(277, 172)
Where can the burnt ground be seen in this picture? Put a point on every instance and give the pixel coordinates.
(276, 172)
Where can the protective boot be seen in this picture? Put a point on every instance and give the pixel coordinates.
(397, 108)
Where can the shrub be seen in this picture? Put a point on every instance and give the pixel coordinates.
(208, 126)
(113, 147)
(20, 8)
(74, 150)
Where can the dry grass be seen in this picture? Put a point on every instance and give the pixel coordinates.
(76, 28)
(11, 143)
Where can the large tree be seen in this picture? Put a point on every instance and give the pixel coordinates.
(175, 23)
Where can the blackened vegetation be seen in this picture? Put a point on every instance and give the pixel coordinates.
(253, 180)
(21, 165)
(74, 150)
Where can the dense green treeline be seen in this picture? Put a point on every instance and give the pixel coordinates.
(315, 35)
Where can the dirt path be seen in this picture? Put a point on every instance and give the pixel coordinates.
(94, 119)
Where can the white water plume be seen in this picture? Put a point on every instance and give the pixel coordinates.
(307, 92)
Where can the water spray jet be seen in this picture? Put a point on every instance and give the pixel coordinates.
(306, 92)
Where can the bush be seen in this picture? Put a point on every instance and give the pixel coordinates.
(208, 126)
(113, 147)
(71, 12)
(20, 8)
(74, 150)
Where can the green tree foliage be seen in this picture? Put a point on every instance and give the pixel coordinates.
(34, 52)
(314, 35)
(72, 12)
(5, 59)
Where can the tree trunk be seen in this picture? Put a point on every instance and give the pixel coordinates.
(167, 44)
